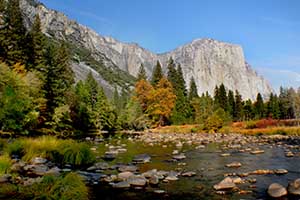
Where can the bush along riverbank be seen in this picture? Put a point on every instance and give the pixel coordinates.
(155, 164)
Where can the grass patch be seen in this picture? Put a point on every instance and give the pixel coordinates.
(5, 164)
(57, 150)
(68, 187)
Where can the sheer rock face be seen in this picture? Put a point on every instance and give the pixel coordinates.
(210, 62)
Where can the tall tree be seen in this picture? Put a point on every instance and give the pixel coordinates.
(142, 73)
(161, 102)
(193, 92)
(15, 41)
(91, 110)
(221, 97)
(272, 107)
(59, 78)
(231, 104)
(259, 107)
(248, 112)
(143, 90)
(181, 81)
(37, 48)
(238, 106)
(172, 73)
(157, 74)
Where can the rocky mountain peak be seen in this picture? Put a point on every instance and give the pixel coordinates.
(209, 62)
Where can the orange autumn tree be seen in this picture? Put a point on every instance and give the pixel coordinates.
(158, 102)
(143, 91)
(161, 102)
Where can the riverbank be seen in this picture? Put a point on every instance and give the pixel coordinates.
(154, 165)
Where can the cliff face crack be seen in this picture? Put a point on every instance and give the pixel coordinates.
(208, 61)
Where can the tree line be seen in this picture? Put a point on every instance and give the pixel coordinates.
(38, 93)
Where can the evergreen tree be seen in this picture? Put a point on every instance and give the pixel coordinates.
(259, 107)
(231, 104)
(272, 107)
(238, 106)
(157, 74)
(91, 111)
(2, 30)
(181, 81)
(59, 78)
(193, 92)
(172, 73)
(37, 48)
(15, 34)
(142, 73)
(221, 100)
(286, 103)
(248, 112)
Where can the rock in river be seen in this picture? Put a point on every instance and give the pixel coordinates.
(225, 184)
(234, 165)
(138, 181)
(179, 156)
(294, 187)
(124, 175)
(142, 158)
(276, 190)
(123, 184)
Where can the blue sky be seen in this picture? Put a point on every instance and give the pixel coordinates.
(268, 30)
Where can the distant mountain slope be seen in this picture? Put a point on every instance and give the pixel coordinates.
(210, 62)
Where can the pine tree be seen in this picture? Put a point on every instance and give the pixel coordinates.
(181, 81)
(272, 107)
(238, 106)
(2, 30)
(231, 104)
(248, 112)
(193, 92)
(37, 48)
(221, 100)
(142, 73)
(259, 106)
(59, 78)
(172, 73)
(15, 39)
(157, 74)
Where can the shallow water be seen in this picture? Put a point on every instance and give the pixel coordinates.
(209, 166)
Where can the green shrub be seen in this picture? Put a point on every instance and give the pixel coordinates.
(68, 187)
(5, 164)
(76, 154)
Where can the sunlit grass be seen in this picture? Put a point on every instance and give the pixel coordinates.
(5, 164)
(51, 148)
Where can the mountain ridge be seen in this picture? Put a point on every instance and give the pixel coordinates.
(209, 62)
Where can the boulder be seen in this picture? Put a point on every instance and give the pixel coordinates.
(294, 187)
(124, 175)
(137, 181)
(276, 190)
(225, 184)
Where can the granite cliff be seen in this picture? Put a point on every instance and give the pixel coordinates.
(210, 62)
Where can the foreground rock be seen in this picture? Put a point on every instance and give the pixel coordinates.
(225, 184)
(276, 190)
(294, 187)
